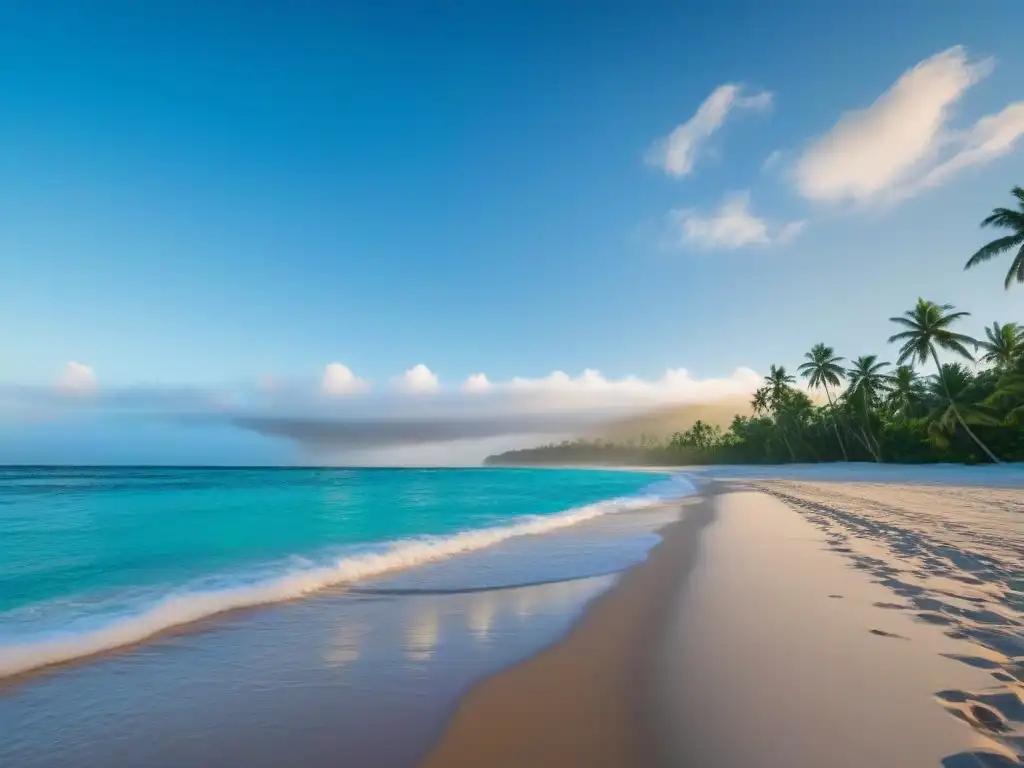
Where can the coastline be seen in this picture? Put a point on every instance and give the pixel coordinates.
(763, 621)
(304, 681)
(578, 702)
(778, 628)
(197, 598)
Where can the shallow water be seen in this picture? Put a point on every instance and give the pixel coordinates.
(95, 558)
(349, 676)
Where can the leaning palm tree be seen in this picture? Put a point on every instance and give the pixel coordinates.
(949, 390)
(906, 391)
(928, 330)
(868, 385)
(821, 369)
(1003, 345)
(1005, 218)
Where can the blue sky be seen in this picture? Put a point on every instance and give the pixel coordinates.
(217, 195)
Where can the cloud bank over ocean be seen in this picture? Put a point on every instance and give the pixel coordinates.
(341, 416)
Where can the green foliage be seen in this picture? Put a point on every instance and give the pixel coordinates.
(898, 415)
(953, 415)
(1013, 220)
(1003, 345)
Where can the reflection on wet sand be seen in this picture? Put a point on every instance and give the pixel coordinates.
(480, 615)
(343, 648)
(557, 597)
(421, 636)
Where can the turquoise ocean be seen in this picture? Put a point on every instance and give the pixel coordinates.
(95, 558)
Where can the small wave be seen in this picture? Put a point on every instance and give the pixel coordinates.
(187, 607)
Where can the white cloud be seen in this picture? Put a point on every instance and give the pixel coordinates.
(989, 138)
(419, 378)
(732, 225)
(675, 154)
(338, 379)
(78, 378)
(676, 384)
(902, 142)
(477, 382)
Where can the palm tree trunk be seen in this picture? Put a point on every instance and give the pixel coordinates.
(835, 423)
(866, 442)
(779, 425)
(959, 418)
(877, 452)
(789, 447)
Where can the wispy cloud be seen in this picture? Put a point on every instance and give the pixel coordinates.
(676, 153)
(732, 225)
(788, 232)
(903, 142)
(772, 160)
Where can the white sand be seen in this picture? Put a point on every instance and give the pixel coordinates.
(853, 625)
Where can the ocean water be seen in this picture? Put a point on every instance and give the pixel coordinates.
(94, 558)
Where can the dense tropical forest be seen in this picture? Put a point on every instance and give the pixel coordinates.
(915, 409)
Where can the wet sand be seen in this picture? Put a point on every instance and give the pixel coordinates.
(582, 702)
(360, 677)
(785, 623)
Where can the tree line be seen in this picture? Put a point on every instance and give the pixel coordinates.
(917, 409)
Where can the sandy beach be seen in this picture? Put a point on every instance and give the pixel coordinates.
(840, 616)
(813, 623)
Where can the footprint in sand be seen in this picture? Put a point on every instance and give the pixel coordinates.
(934, 618)
(978, 662)
(882, 633)
(978, 760)
(989, 715)
(891, 606)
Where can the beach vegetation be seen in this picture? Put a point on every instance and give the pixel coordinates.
(931, 407)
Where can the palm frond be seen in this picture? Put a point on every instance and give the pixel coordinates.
(1004, 217)
(993, 249)
(973, 415)
(1016, 268)
(903, 321)
(945, 320)
(953, 345)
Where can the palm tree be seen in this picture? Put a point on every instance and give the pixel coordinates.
(778, 383)
(906, 391)
(949, 389)
(1005, 343)
(1005, 218)
(1009, 392)
(928, 330)
(868, 384)
(760, 401)
(821, 369)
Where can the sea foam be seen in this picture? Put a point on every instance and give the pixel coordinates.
(189, 606)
